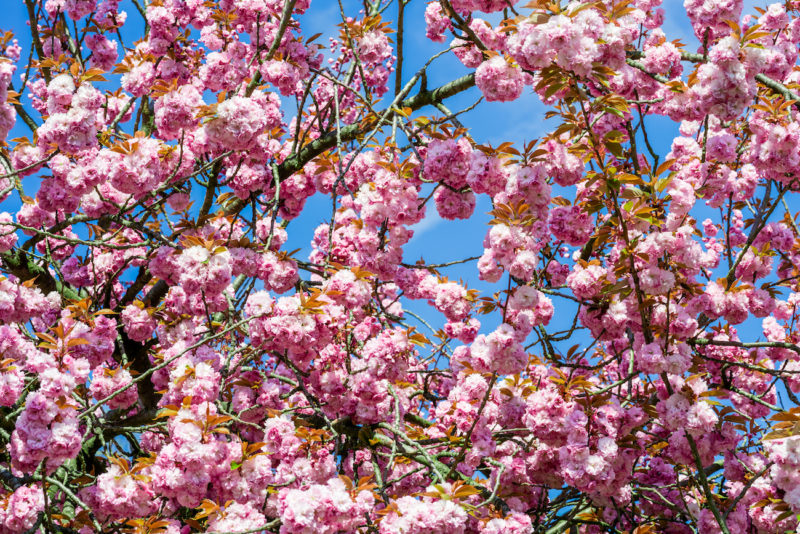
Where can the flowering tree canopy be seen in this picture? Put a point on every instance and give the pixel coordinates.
(177, 355)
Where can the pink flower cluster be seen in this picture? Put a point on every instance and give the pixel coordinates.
(415, 516)
(325, 508)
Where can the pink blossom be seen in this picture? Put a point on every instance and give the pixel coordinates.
(415, 516)
(324, 508)
(498, 80)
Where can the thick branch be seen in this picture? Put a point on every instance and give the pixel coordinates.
(297, 161)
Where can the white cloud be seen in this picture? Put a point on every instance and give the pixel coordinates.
(430, 221)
